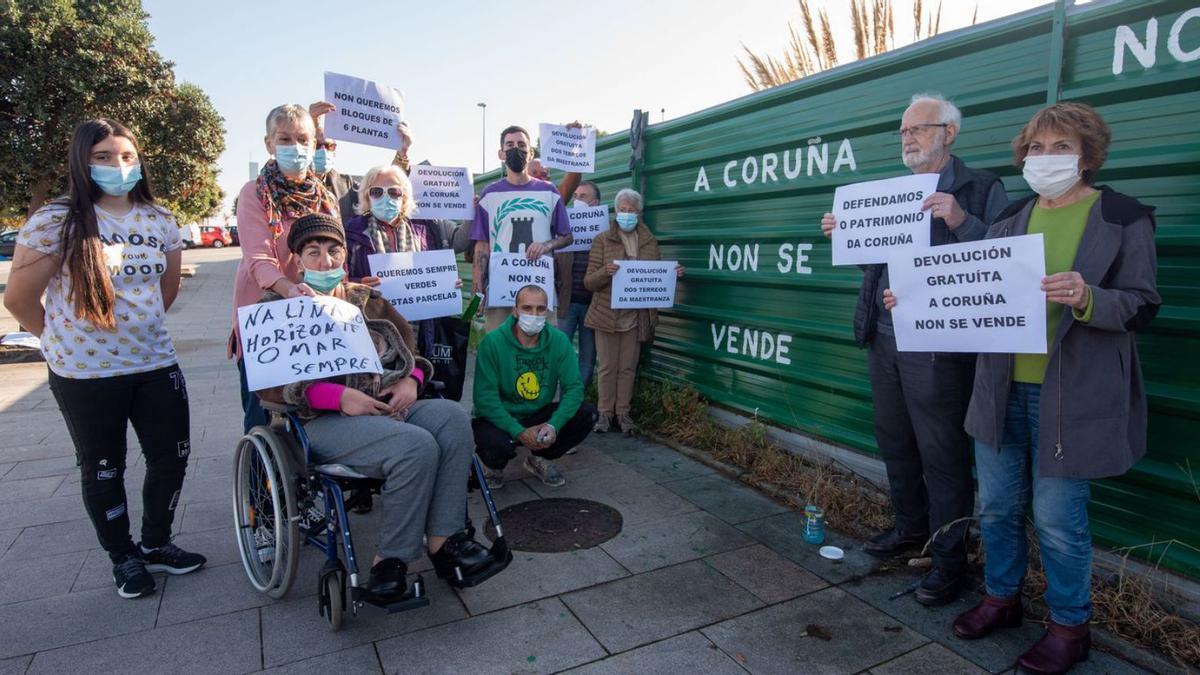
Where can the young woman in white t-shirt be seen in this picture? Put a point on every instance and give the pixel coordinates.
(107, 258)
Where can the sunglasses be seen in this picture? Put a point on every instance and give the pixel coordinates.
(328, 145)
(393, 192)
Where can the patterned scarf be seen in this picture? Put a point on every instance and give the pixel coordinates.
(284, 199)
(406, 237)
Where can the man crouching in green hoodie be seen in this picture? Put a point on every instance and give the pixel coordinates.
(518, 370)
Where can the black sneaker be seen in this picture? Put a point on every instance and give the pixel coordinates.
(131, 577)
(893, 542)
(171, 559)
(939, 587)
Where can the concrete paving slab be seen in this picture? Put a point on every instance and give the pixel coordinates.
(540, 637)
(784, 534)
(687, 653)
(7, 537)
(41, 577)
(637, 498)
(932, 659)
(29, 488)
(224, 644)
(17, 665)
(293, 631)
(209, 591)
(44, 511)
(771, 641)
(656, 462)
(48, 623)
(648, 607)
(533, 576)
(726, 498)
(766, 574)
(25, 453)
(362, 659)
(42, 540)
(5, 468)
(209, 515)
(668, 541)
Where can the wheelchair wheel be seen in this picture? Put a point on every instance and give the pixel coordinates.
(264, 508)
(333, 590)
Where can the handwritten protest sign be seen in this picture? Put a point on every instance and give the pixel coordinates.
(879, 217)
(304, 338)
(567, 149)
(510, 272)
(982, 296)
(644, 284)
(443, 192)
(420, 285)
(366, 112)
(586, 223)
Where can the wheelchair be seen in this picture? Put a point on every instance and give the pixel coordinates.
(283, 501)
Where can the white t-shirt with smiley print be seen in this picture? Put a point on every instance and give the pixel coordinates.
(135, 251)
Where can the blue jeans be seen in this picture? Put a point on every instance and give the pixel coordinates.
(587, 339)
(1006, 478)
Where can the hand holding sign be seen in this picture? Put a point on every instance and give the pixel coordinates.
(568, 148)
(877, 218)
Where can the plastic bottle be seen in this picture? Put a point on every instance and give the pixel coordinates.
(473, 307)
(814, 524)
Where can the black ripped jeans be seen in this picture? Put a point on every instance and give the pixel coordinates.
(98, 412)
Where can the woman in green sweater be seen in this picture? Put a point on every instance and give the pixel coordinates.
(519, 368)
(1044, 425)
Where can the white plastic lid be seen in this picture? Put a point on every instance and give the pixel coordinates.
(831, 552)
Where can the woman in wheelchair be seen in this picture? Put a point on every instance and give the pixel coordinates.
(378, 426)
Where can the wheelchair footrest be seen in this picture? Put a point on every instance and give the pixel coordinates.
(413, 599)
(501, 558)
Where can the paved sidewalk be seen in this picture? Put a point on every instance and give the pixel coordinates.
(707, 576)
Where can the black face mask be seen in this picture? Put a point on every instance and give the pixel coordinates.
(515, 159)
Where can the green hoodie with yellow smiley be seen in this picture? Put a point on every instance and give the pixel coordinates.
(513, 381)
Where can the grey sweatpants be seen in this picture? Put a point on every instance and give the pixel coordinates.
(424, 461)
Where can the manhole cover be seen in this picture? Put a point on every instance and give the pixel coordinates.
(557, 525)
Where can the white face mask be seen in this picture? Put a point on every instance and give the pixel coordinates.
(531, 324)
(1051, 176)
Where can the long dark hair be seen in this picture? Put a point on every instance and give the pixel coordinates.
(91, 285)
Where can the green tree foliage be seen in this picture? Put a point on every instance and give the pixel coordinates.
(64, 61)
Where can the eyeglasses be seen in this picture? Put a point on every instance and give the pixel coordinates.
(918, 128)
(393, 192)
(328, 145)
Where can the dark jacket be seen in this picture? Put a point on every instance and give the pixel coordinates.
(1093, 402)
(344, 191)
(971, 188)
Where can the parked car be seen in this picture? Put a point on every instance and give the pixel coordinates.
(214, 236)
(234, 235)
(8, 243)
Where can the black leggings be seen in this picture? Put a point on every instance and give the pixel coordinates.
(496, 448)
(97, 413)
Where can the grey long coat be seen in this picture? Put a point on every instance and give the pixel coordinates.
(1093, 402)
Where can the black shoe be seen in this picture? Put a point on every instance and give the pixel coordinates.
(460, 551)
(892, 542)
(171, 559)
(939, 587)
(131, 577)
(388, 579)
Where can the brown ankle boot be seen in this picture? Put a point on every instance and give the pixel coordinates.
(991, 613)
(1058, 650)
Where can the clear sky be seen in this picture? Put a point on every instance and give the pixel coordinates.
(532, 61)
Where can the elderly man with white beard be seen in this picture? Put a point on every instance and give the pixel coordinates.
(921, 398)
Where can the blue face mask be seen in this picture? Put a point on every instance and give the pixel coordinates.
(323, 282)
(627, 221)
(323, 160)
(116, 181)
(293, 159)
(385, 208)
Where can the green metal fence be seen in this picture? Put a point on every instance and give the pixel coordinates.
(762, 322)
